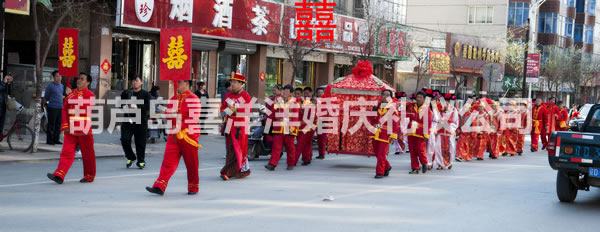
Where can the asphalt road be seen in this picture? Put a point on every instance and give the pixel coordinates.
(508, 194)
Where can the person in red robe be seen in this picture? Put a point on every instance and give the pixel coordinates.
(537, 118)
(77, 128)
(306, 132)
(387, 130)
(419, 115)
(465, 135)
(521, 130)
(284, 116)
(481, 126)
(497, 116)
(562, 117)
(550, 123)
(321, 137)
(511, 132)
(238, 102)
(182, 140)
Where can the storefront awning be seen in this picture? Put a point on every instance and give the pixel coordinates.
(204, 44)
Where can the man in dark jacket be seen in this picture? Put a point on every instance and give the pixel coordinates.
(132, 128)
(4, 93)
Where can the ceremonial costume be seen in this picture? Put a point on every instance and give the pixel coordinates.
(511, 132)
(306, 131)
(521, 130)
(77, 128)
(321, 136)
(284, 133)
(550, 124)
(236, 161)
(497, 138)
(466, 137)
(561, 120)
(445, 133)
(383, 136)
(537, 115)
(481, 129)
(183, 143)
(418, 134)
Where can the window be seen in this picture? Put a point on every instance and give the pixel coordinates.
(305, 75)
(548, 23)
(340, 6)
(481, 14)
(571, 3)
(580, 6)
(588, 35)
(274, 70)
(439, 84)
(590, 8)
(578, 33)
(518, 13)
(389, 10)
(229, 63)
(569, 28)
(561, 23)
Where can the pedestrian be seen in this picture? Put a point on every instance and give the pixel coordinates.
(537, 118)
(183, 142)
(77, 112)
(238, 102)
(321, 136)
(563, 116)
(400, 143)
(285, 111)
(155, 92)
(436, 107)
(53, 99)
(131, 128)
(386, 131)
(523, 125)
(551, 116)
(225, 91)
(512, 130)
(201, 91)
(298, 92)
(418, 132)
(306, 131)
(446, 132)
(497, 123)
(481, 127)
(5, 92)
(466, 136)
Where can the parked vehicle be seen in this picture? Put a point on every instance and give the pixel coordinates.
(576, 156)
(583, 112)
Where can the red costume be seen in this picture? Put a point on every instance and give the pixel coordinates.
(383, 136)
(236, 161)
(481, 128)
(284, 133)
(465, 139)
(494, 145)
(321, 139)
(511, 132)
(550, 124)
(537, 115)
(306, 131)
(184, 142)
(77, 128)
(418, 133)
(561, 120)
(521, 130)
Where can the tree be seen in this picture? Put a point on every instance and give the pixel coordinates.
(46, 22)
(367, 32)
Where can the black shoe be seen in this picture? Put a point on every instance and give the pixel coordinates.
(491, 157)
(155, 190)
(84, 180)
(58, 142)
(270, 167)
(387, 172)
(378, 176)
(321, 157)
(543, 148)
(54, 178)
(290, 168)
(52, 144)
(192, 193)
(533, 150)
(479, 159)
(414, 171)
(129, 163)
(520, 153)
(424, 166)
(504, 154)
(305, 163)
(397, 153)
(141, 165)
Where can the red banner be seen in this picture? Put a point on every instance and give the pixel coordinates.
(176, 54)
(68, 52)
(439, 62)
(253, 20)
(17, 6)
(533, 65)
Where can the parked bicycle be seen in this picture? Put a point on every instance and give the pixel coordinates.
(19, 136)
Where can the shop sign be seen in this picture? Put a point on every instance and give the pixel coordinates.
(393, 42)
(105, 66)
(17, 6)
(511, 83)
(533, 67)
(68, 52)
(176, 54)
(439, 62)
(472, 52)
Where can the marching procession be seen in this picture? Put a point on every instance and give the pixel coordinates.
(435, 128)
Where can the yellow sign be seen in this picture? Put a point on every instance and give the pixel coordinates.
(471, 52)
(176, 57)
(67, 57)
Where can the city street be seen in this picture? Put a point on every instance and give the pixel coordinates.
(508, 194)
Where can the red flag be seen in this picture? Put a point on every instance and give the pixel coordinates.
(176, 54)
(68, 52)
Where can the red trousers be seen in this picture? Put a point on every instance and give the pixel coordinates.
(479, 145)
(544, 138)
(520, 142)
(381, 150)
(174, 150)
(86, 144)
(418, 152)
(493, 145)
(534, 140)
(279, 140)
(463, 147)
(322, 142)
(511, 141)
(304, 146)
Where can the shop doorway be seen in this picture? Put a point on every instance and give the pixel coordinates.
(132, 57)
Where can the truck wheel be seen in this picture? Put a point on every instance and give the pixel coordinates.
(252, 151)
(565, 189)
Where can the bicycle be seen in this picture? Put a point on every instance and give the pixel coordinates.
(19, 136)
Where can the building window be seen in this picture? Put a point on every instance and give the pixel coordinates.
(578, 33)
(305, 75)
(518, 13)
(590, 8)
(560, 30)
(200, 67)
(481, 14)
(274, 70)
(548, 23)
(588, 35)
(389, 10)
(569, 28)
(569, 3)
(439, 84)
(340, 7)
(580, 6)
(229, 63)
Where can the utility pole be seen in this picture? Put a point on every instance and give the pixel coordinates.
(523, 90)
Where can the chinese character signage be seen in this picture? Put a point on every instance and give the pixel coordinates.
(17, 6)
(315, 27)
(176, 54)
(533, 66)
(392, 42)
(511, 83)
(68, 56)
(439, 62)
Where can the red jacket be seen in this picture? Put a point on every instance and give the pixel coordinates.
(285, 121)
(241, 111)
(382, 132)
(561, 120)
(188, 106)
(417, 122)
(81, 121)
(539, 121)
(307, 111)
